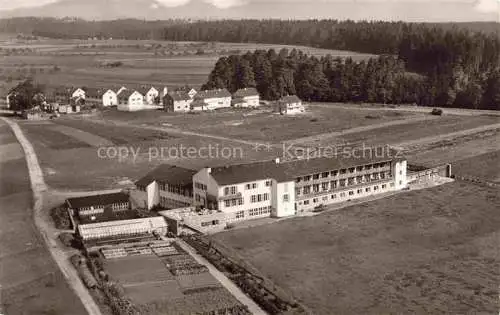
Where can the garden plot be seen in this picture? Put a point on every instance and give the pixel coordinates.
(49, 138)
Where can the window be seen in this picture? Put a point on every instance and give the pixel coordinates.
(315, 200)
(298, 180)
(324, 186)
(360, 191)
(234, 202)
(334, 196)
(240, 214)
(254, 185)
(351, 193)
(259, 198)
(359, 168)
(286, 198)
(233, 190)
(326, 174)
(333, 184)
(307, 190)
(368, 189)
(384, 186)
(400, 182)
(253, 198)
(343, 171)
(297, 191)
(375, 188)
(342, 194)
(240, 201)
(335, 173)
(306, 202)
(247, 186)
(315, 176)
(342, 182)
(268, 183)
(382, 175)
(266, 197)
(400, 172)
(392, 184)
(307, 178)
(316, 188)
(226, 191)
(227, 203)
(350, 181)
(351, 170)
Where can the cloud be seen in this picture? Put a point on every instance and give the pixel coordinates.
(488, 6)
(173, 3)
(223, 4)
(10, 4)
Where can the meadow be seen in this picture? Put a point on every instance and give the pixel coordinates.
(431, 251)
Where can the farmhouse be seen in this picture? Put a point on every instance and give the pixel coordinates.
(78, 93)
(166, 186)
(247, 97)
(178, 101)
(130, 101)
(212, 99)
(94, 96)
(289, 105)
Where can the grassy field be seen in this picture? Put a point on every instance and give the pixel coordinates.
(81, 63)
(424, 252)
(484, 166)
(30, 281)
(262, 125)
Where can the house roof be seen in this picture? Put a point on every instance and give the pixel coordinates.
(168, 174)
(213, 94)
(95, 200)
(95, 92)
(290, 170)
(290, 99)
(125, 94)
(179, 96)
(246, 92)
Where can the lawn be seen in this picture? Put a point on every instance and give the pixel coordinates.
(264, 125)
(432, 251)
(484, 166)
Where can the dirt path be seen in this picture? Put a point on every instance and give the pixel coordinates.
(58, 253)
(228, 284)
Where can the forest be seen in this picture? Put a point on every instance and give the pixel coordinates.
(327, 79)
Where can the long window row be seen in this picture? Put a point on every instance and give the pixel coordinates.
(176, 190)
(230, 191)
(172, 203)
(334, 173)
(200, 186)
(233, 202)
(122, 206)
(260, 211)
(259, 198)
(334, 184)
(345, 194)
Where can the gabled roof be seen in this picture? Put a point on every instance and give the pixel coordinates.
(290, 99)
(98, 200)
(246, 92)
(169, 174)
(94, 92)
(213, 94)
(125, 94)
(179, 96)
(290, 170)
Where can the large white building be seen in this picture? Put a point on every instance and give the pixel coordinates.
(166, 186)
(289, 105)
(130, 101)
(277, 188)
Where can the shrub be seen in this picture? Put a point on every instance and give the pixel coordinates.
(61, 217)
(437, 112)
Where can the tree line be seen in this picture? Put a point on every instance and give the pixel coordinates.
(383, 79)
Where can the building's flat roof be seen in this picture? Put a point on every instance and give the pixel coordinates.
(169, 174)
(290, 170)
(97, 200)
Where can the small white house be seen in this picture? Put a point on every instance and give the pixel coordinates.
(78, 94)
(130, 101)
(212, 99)
(290, 105)
(247, 97)
(109, 98)
(179, 101)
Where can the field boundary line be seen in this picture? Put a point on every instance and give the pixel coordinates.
(38, 187)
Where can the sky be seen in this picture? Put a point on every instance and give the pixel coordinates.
(403, 9)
